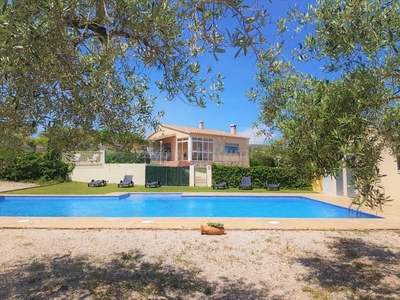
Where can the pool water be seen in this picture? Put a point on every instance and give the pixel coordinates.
(172, 205)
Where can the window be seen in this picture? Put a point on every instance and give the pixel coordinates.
(232, 148)
(202, 149)
(182, 149)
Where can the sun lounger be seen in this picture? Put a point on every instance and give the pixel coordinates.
(221, 185)
(272, 186)
(94, 158)
(245, 183)
(97, 183)
(127, 181)
(154, 184)
(76, 158)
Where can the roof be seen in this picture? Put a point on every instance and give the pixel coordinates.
(196, 130)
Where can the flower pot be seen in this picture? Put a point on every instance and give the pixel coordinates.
(211, 230)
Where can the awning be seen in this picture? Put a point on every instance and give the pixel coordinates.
(161, 137)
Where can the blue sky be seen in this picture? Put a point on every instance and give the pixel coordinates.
(239, 77)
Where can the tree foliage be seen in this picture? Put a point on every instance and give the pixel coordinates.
(346, 118)
(34, 167)
(121, 142)
(85, 65)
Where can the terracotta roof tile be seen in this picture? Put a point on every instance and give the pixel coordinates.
(195, 130)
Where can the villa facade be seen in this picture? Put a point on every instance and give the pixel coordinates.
(389, 168)
(174, 145)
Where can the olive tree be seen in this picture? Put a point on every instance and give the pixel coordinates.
(84, 65)
(347, 117)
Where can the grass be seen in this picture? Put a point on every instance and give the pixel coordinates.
(81, 188)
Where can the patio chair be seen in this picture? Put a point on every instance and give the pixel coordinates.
(245, 183)
(94, 158)
(221, 185)
(76, 157)
(127, 181)
(154, 184)
(272, 186)
(97, 183)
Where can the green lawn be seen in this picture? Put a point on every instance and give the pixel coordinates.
(81, 188)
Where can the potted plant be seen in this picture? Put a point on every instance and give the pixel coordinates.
(213, 228)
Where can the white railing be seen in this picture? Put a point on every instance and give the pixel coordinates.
(85, 157)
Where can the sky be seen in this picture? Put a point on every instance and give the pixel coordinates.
(239, 76)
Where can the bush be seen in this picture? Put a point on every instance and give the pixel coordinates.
(37, 167)
(287, 178)
(262, 161)
(127, 158)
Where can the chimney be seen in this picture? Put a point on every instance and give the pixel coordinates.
(201, 124)
(233, 129)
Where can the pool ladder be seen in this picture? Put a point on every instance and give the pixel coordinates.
(358, 208)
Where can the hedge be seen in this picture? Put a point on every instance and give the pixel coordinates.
(287, 178)
(127, 158)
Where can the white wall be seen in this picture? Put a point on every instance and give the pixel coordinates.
(391, 181)
(328, 185)
(113, 173)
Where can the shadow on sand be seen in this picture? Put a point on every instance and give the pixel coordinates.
(126, 276)
(359, 269)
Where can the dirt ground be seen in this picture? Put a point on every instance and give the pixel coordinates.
(183, 264)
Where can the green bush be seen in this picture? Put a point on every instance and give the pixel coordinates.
(262, 161)
(127, 158)
(8, 159)
(287, 178)
(37, 167)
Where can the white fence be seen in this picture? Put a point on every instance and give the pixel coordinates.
(86, 157)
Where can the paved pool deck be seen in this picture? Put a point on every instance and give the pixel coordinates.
(390, 220)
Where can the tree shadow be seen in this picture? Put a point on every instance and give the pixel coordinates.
(125, 276)
(358, 267)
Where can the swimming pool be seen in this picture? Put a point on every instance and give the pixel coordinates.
(172, 205)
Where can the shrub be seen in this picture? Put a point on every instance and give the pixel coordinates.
(287, 178)
(127, 158)
(37, 167)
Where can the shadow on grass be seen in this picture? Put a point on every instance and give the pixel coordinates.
(360, 269)
(126, 276)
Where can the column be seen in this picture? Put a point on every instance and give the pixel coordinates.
(190, 148)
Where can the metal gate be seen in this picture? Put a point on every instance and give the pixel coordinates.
(168, 176)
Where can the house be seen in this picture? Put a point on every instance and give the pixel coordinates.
(174, 145)
(389, 168)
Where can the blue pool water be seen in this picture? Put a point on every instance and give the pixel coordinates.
(172, 205)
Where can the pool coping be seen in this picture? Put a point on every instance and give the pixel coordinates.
(390, 220)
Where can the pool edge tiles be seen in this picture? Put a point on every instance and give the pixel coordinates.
(64, 197)
(230, 224)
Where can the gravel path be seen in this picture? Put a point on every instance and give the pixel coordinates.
(6, 186)
(182, 264)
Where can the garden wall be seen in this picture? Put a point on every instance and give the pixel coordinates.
(113, 173)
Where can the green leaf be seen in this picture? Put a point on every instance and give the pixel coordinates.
(4, 6)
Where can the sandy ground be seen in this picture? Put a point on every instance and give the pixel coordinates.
(183, 264)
